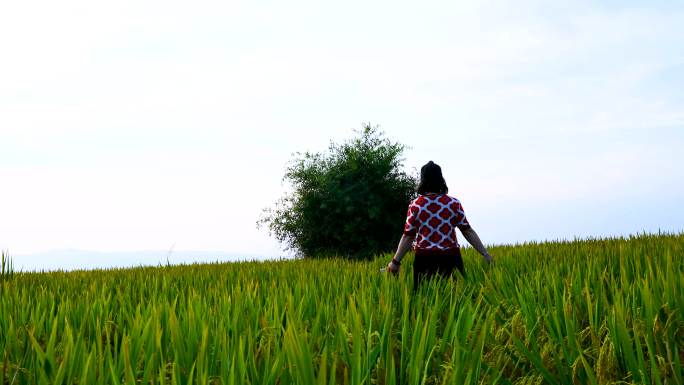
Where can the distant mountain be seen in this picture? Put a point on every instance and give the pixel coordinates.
(75, 259)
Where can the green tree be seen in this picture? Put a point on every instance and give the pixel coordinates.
(349, 202)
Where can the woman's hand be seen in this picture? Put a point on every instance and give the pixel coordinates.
(392, 267)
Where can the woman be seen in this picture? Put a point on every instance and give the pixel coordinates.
(433, 218)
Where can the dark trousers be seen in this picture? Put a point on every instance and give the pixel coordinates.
(429, 264)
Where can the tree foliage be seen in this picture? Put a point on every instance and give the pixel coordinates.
(350, 201)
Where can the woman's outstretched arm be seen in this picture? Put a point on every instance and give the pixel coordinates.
(404, 246)
(471, 236)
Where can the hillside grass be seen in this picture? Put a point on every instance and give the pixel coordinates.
(604, 311)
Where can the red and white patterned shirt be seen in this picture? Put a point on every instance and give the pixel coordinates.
(434, 218)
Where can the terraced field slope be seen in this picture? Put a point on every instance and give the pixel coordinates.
(583, 312)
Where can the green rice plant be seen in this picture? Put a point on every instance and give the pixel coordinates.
(596, 311)
(6, 266)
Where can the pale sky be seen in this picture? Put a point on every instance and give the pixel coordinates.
(135, 126)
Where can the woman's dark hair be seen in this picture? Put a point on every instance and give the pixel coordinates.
(431, 179)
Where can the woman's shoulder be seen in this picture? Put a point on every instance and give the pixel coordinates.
(443, 198)
(419, 200)
(450, 200)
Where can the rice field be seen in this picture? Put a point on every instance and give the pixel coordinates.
(604, 311)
